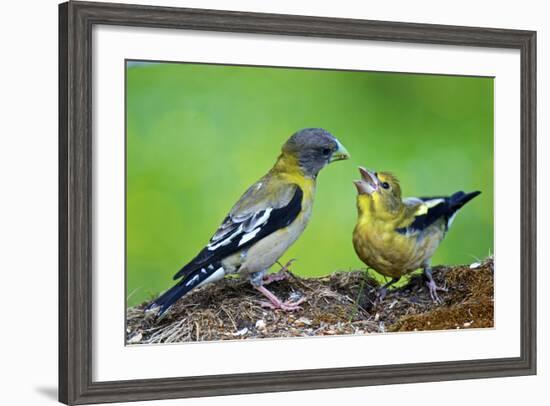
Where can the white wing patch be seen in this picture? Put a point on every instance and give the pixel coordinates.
(425, 206)
(212, 247)
(433, 202)
(263, 218)
(244, 227)
(226, 228)
(249, 236)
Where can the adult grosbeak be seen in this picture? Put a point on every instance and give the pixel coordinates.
(264, 222)
(394, 236)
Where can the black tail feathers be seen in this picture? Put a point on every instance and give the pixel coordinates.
(184, 286)
(168, 298)
(459, 199)
(456, 202)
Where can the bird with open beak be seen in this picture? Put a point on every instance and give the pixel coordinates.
(267, 219)
(396, 236)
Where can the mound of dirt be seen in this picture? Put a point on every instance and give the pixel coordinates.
(342, 303)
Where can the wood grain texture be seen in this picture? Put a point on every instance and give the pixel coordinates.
(76, 20)
(63, 365)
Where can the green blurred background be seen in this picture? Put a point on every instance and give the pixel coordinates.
(199, 135)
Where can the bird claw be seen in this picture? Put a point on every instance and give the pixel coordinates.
(380, 295)
(281, 275)
(433, 288)
(285, 306)
(276, 303)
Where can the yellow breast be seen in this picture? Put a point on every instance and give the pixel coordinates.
(391, 253)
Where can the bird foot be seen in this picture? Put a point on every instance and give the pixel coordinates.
(433, 288)
(380, 295)
(281, 275)
(382, 291)
(276, 303)
(287, 306)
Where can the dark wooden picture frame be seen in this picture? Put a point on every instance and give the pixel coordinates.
(76, 20)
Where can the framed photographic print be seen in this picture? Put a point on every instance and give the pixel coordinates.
(249, 202)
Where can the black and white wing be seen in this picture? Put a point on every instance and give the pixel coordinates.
(430, 210)
(258, 213)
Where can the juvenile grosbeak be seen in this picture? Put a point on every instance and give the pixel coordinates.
(394, 236)
(267, 219)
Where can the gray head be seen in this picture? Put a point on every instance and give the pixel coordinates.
(314, 148)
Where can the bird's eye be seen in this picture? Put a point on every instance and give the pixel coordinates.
(385, 185)
(326, 151)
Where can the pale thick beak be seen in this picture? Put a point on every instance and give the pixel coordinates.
(368, 184)
(340, 154)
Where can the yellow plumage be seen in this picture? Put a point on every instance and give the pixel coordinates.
(287, 170)
(394, 236)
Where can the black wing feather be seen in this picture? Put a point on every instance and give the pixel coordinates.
(278, 218)
(449, 206)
